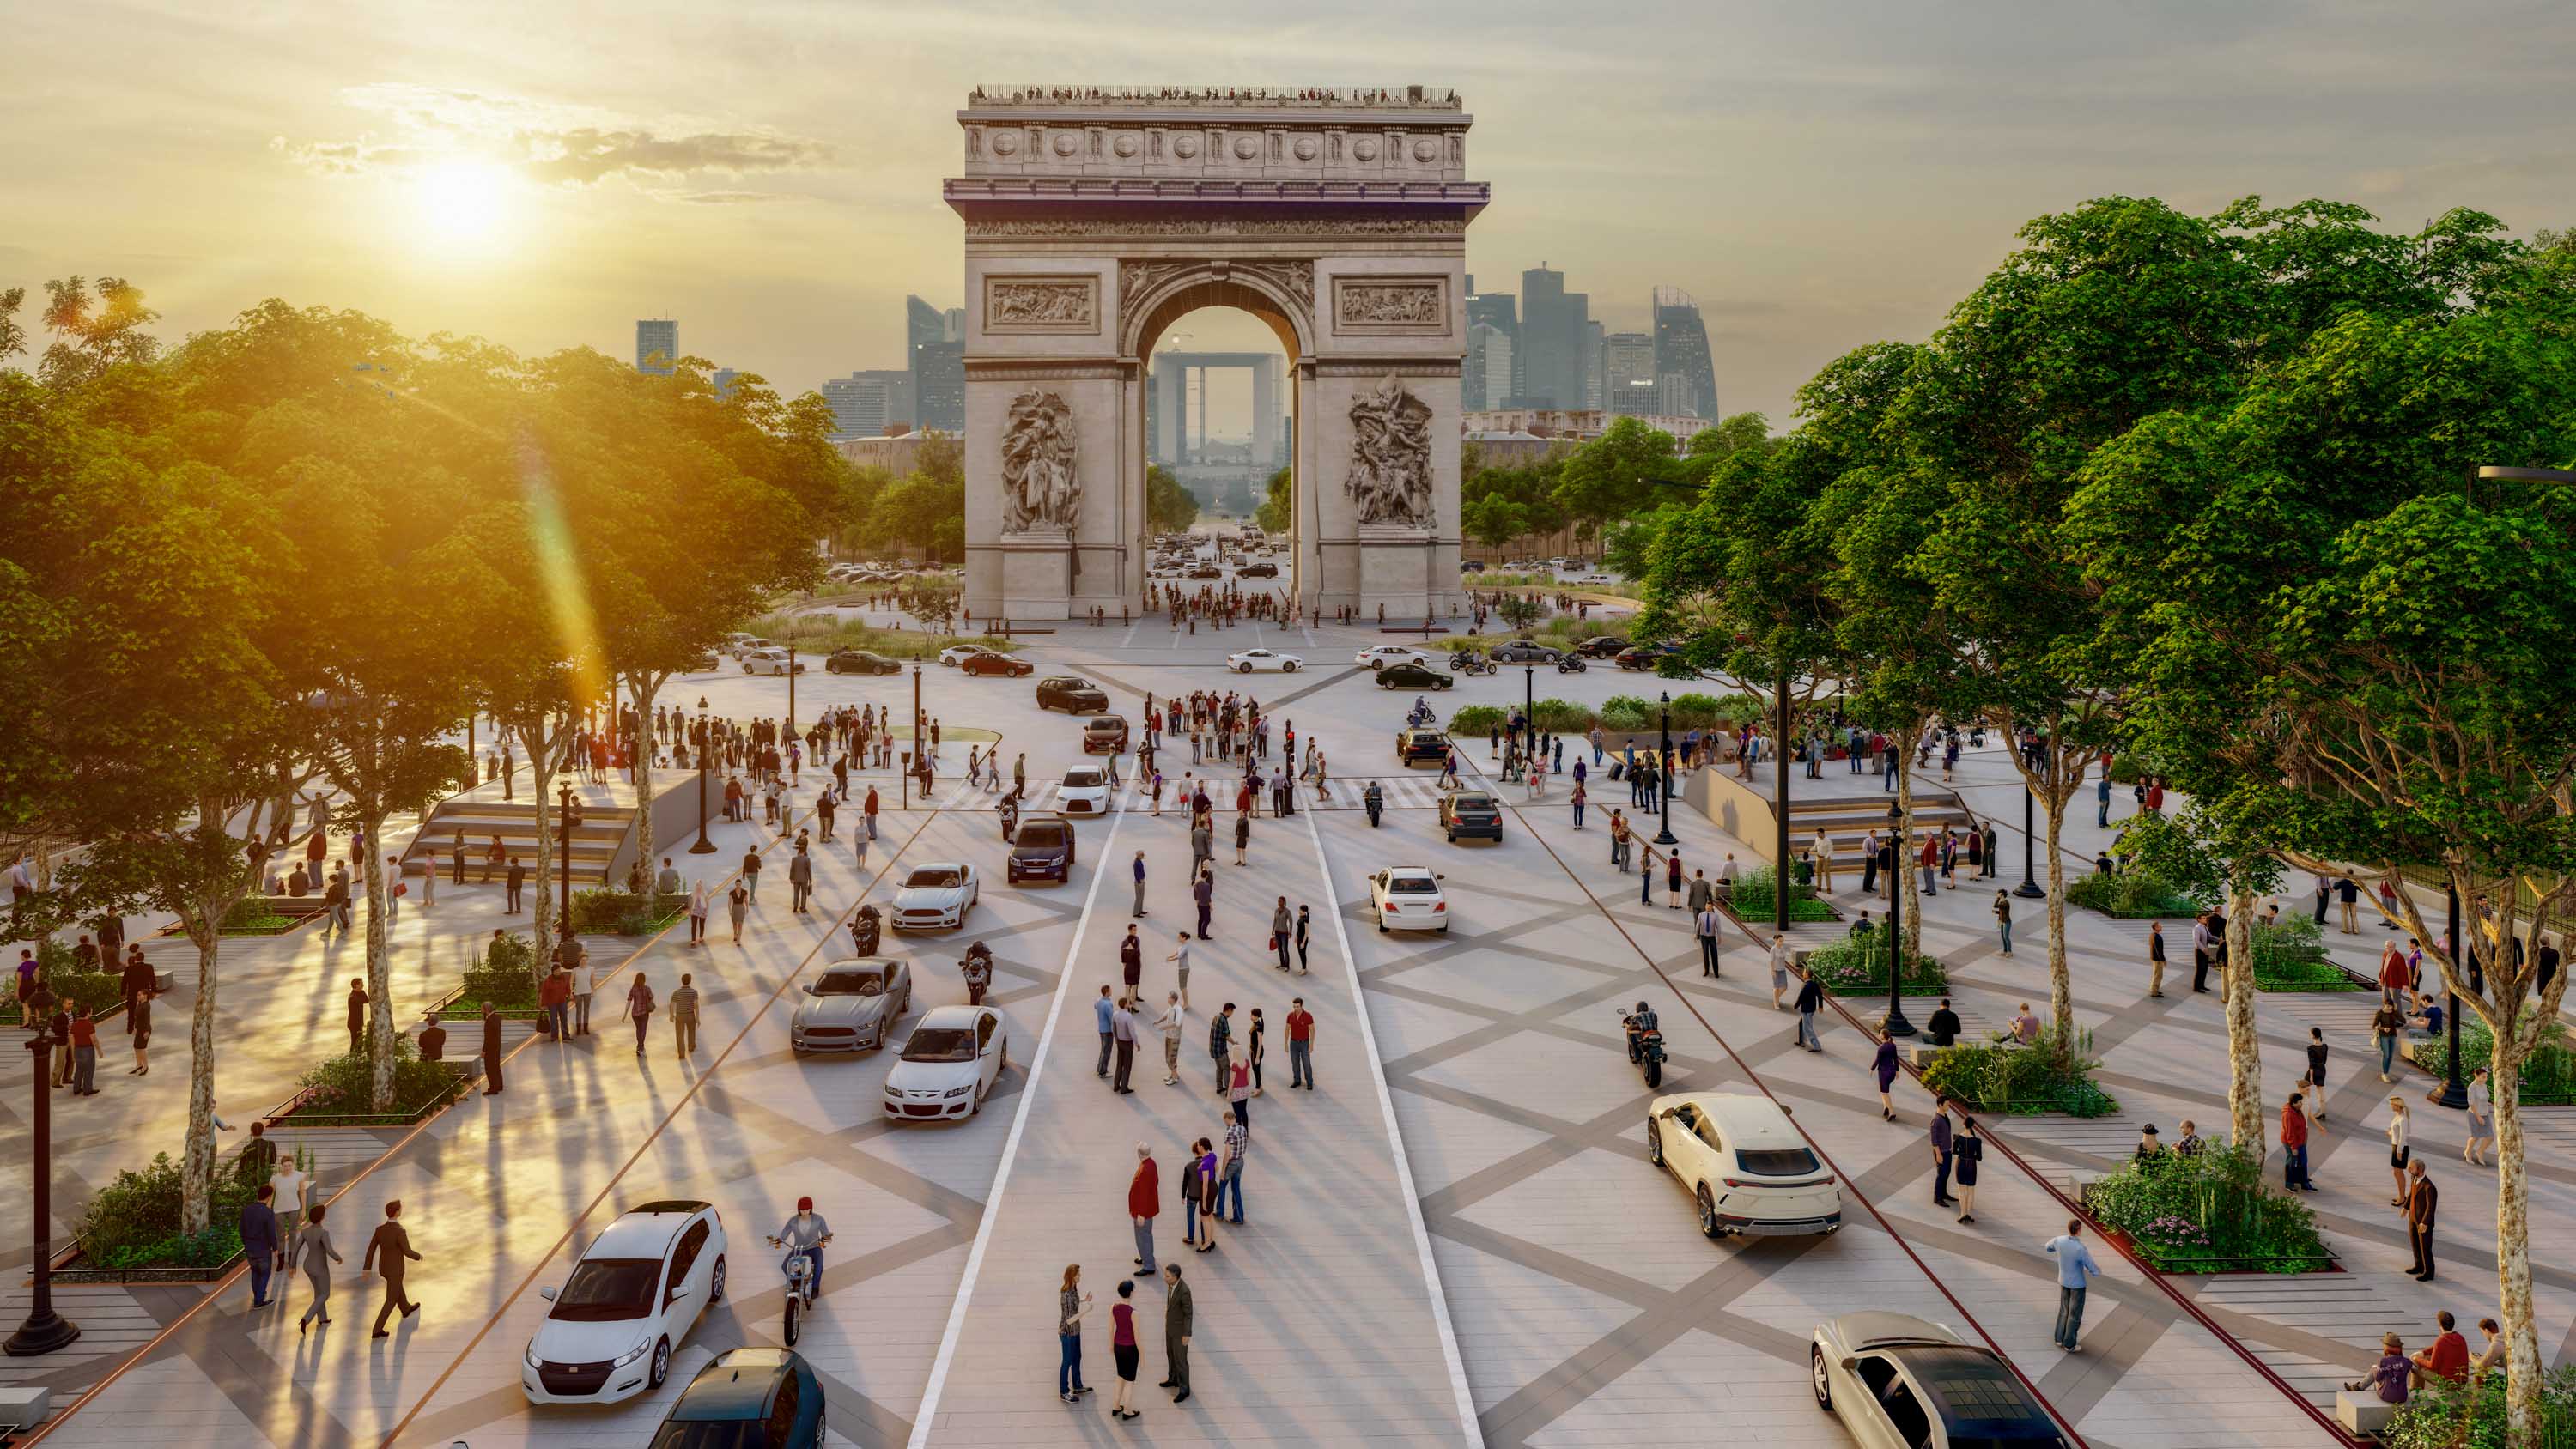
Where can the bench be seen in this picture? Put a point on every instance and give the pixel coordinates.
(2362, 1413)
(23, 1406)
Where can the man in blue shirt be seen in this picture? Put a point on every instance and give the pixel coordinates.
(2074, 1261)
(1100, 1011)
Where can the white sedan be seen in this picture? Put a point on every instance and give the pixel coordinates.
(958, 654)
(1249, 660)
(1379, 656)
(953, 1061)
(1085, 791)
(1409, 898)
(770, 661)
(637, 1290)
(933, 895)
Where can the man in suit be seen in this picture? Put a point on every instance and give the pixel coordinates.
(491, 1051)
(136, 979)
(1177, 1316)
(392, 1246)
(260, 1242)
(357, 1015)
(515, 880)
(432, 1040)
(2421, 1198)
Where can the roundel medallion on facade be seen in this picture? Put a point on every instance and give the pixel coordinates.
(1124, 146)
(1006, 143)
(1065, 141)
(1244, 147)
(1306, 148)
(1185, 147)
(1425, 149)
(1364, 148)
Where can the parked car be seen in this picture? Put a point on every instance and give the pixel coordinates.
(748, 1398)
(1072, 694)
(956, 654)
(1473, 813)
(938, 894)
(1258, 571)
(851, 1005)
(1901, 1382)
(1379, 656)
(1001, 664)
(1526, 651)
(1206, 571)
(1085, 791)
(1247, 661)
(951, 1063)
(1746, 1168)
(1105, 734)
(1470, 566)
(1421, 747)
(636, 1291)
(771, 661)
(860, 661)
(1413, 676)
(1601, 646)
(1409, 898)
(747, 643)
(1041, 849)
(734, 642)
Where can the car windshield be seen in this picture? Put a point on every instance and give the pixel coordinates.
(934, 877)
(1107, 726)
(851, 983)
(1776, 1161)
(1412, 885)
(1041, 834)
(603, 1290)
(1081, 779)
(940, 1044)
(750, 1433)
(1474, 802)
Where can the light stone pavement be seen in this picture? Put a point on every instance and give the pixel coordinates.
(1585, 1304)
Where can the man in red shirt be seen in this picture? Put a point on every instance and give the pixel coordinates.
(1301, 1045)
(2294, 1146)
(1144, 1202)
(2448, 1357)
(554, 996)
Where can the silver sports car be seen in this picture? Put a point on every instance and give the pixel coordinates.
(849, 1007)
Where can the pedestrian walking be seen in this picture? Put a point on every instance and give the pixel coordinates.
(2481, 1121)
(1705, 925)
(2316, 1075)
(312, 1251)
(738, 906)
(2075, 1266)
(1282, 924)
(1811, 999)
(585, 975)
(1103, 1011)
(800, 879)
(1779, 967)
(2294, 1146)
(554, 1003)
(2385, 1023)
(2003, 919)
(1169, 1024)
(261, 1249)
(1302, 924)
(2422, 1197)
(1122, 1023)
(1122, 1349)
(639, 1008)
(514, 881)
(1179, 1318)
(1144, 1204)
(84, 1038)
(1220, 1043)
(1140, 885)
(1885, 1065)
(1939, 1134)
(1238, 1146)
(357, 1015)
(1238, 1084)
(684, 1018)
(1071, 1304)
(389, 1254)
(1203, 893)
(491, 1051)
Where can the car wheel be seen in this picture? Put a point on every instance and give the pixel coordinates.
(661, 1364)
(716, 1281)
(1708, 1213)
(1444, 928)
(1377, 664)
(1655, 1143)
(1818, 1379)
(1244, 669)
(1288, 668)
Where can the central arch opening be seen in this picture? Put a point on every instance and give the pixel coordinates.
(1220, 429)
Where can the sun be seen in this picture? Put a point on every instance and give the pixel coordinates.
(463, 200)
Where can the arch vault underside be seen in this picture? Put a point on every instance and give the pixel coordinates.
(1095, 218)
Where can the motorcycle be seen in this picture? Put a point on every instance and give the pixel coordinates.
(864, 930)
(977, 972)
(1645, 1047)
(1375, 800)
(1470, 663)
(799, 1270)
(1571, 664)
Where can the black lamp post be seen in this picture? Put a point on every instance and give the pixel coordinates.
(2029, 887)
(45, 1330)
(1664, 779)
(1529, 711)
(706, 734)
(791, 690)
(2455, 1093)
(563, 798)
(914, 757)
(1895, 1024)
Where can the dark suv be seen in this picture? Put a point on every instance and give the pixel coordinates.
(1421, 747)
(1471, 812)
(1072, 694)
(1105, 735)
(1041, 850)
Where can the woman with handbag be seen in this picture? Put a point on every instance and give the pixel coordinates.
(639, 1006)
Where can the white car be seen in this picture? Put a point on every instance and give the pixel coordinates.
(960, 653)
(1379, 656)
(636, 1293)
(1900, 1382)
(1250, 660)
(951, 1063)
(740, 645)
(934, 895)
(770, 661)
(733, 643)
(1409, 898)
(1746, 1168)
(1085, 791)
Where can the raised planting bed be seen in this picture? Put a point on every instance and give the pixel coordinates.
(260, 916)
(2548, 1074)
(624, 913)
(2132, 895)
(129, 1230)
(506, 979)
(1755, 895)
(2017, 1080)
(2290, 955)
(2207, 1213)
(102, 993)
(338, 1093)
(1857, 966)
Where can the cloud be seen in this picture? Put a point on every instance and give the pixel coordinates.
(551, 143)
(730, 198)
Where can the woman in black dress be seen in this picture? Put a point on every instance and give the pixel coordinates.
(139, 1017)
(1965, 1152)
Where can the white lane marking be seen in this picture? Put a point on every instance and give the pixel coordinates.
(1466, 1400)
(929, 1411)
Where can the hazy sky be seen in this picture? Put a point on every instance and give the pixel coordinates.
(1821, 174)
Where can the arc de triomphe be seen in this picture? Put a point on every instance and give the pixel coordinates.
(1095, 218)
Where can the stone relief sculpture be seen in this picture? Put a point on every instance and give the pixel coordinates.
(1401, 304)
(1390, 477)
(1040, 304)
(1040, 491)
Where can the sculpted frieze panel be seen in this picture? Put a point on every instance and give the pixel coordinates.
(1041, 304)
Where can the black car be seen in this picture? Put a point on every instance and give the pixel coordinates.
(1421, 747)
(1258, 571)
(860, 661)
(1644, 656)
(1207, 571)
(1072, 694)
(1105, 735)
(1042, 849)
(1470, 566)
(1471, 812)
(1526, 651)
(1001, 664)
(748, 1398)
(1601, 646)
(1412, 676)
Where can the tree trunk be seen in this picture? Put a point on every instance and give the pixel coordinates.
(380, 976)
(541, 774)
(645, 687)
(197, 1156)
(2061, 992)
(1905, 853)
(2524, 1367)
(2244, 1049)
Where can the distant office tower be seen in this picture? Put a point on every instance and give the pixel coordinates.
(1501, 312)
(955, 317)
(1596, 340)
(1487, 379)
(865, 403)
(723, 378)
(656, 337)
(1628, 384)
(922, 323)
(1681, 350)
(1555, 326)
(939, 385)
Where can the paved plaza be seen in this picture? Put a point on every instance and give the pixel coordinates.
(1456, 1238)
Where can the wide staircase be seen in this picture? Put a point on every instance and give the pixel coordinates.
(596, 845)
(1848, 820)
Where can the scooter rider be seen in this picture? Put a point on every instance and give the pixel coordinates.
(977, 969)
(1375, 799)
(1640, 1022)
(805, 1234)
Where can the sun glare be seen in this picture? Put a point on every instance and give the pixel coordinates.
(463, 201)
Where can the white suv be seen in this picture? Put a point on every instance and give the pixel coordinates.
(636, 1292)
(1746, 1168)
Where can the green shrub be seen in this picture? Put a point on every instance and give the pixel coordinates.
(254, 916)
(1557, 716)
(2290, 955)
(1756, 894)
(97, 990)
(345, 1085)
(2020, 1079)
(2124, 769)
(1626, 712)
(1857, 966)
(2548, 1074)
(2133, 892)
(624, 913)
(1478, 719)
(2445, 1415)
(2208, 1213)
(133, 1222)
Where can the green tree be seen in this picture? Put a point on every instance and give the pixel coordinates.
(1614, 475)
(1169, 507)
(1278, 499)
(94, 329)
(1626, 544)
(1495, 520)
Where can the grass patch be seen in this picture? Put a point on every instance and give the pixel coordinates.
(2021, 1080)
(133, 1222)
(624, 913)
(1857, 966)
(342, 1090)
(2133, 894)
(2290, 955)
(2208, 1213)
(1757, 895)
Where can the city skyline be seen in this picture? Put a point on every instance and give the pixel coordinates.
(1821, 182)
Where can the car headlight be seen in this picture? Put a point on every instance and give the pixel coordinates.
(629, 1356)
(957, 1091)
(533, 1361)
